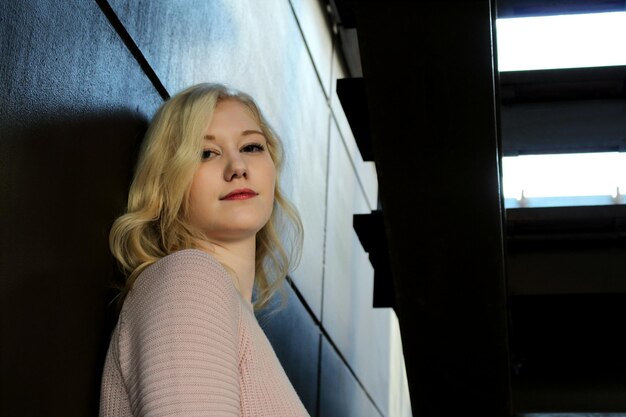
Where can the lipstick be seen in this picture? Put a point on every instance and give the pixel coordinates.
(240, 194)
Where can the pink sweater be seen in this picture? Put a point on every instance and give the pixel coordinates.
(188, 344)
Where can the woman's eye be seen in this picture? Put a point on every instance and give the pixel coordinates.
(253, 147)
(207, 153)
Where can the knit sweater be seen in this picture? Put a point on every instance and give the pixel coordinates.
(188, 344)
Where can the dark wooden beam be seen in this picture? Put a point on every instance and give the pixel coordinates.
(428, 68)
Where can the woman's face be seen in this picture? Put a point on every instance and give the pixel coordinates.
(232, 192)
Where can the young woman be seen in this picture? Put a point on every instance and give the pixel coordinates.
(201, 231)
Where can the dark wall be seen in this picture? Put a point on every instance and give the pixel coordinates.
(74, 105)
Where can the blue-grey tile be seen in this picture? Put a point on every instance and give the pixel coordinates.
(304, 181)
(340, 393)
(295, 338)
(398, 385)
(366, 170)
(315, 25)
(361, 332)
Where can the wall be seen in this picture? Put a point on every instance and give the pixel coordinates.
(81, 81)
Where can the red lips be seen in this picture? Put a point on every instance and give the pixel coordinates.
(240, 194)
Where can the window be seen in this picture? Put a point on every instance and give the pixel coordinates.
(564, 179)
(564, 41)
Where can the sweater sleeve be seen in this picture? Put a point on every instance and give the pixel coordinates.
(179, 345)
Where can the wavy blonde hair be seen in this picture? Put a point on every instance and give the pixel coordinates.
(156, 220)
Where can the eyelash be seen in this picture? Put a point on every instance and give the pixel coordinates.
(206, 154)
(257, 147)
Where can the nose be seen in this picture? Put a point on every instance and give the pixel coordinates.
(236, 167)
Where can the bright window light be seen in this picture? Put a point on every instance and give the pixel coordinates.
(543, 180)
(565, 41)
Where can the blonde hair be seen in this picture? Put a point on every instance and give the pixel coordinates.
(155, 223)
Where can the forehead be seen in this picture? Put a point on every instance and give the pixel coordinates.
(232, 117)
(233, 110)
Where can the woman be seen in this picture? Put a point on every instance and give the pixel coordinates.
(201, 230)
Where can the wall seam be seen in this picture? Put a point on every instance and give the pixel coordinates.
(302, 300)
(328, 149)
(325, 334)
(353, 163)
(306, 46)
(343, 359)
(299, 295)
(328, 95)
(319, 376)
(132, 47)
(325, 233)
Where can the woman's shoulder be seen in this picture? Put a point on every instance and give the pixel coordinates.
(188, 259)
(187, 270)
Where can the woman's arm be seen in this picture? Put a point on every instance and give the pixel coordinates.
(179, 339)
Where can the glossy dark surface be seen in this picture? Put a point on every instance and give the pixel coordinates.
(340, 393)
(295, 338)
(73, 109)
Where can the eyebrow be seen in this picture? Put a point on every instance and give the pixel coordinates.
(244, 133)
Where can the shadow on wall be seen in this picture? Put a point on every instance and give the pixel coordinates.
(64, 182)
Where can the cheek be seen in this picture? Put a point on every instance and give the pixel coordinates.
(192, 208)
(272, 176)
(200, 196)
(269, 184)
(194, 193)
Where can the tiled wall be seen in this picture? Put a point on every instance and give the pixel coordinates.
(66, 63)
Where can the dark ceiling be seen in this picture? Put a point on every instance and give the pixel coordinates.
(502, 311)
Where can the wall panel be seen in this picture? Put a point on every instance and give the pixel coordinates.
(340, 393)
(295, 338)
(360, 331)
(316, 30)
(366, 170)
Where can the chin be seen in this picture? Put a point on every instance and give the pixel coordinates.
(242, 231)
(250, 221)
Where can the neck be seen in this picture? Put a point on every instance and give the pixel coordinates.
(240, 257)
